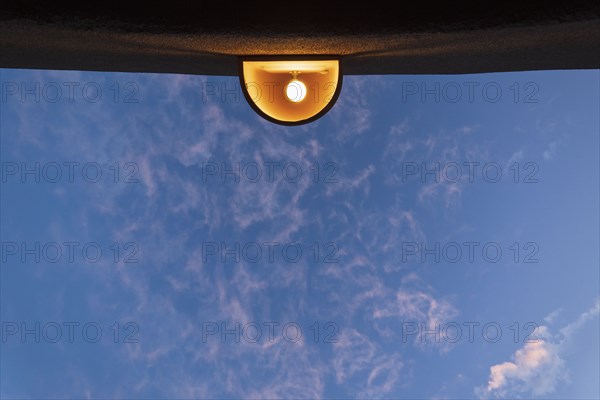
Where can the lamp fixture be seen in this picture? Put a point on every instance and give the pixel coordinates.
(291, 90)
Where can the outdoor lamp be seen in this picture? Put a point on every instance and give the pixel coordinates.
(291, 90)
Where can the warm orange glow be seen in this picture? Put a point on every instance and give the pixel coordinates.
(291, 91)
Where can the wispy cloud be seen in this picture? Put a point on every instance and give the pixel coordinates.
(420, 307)
(550, 152)
(362, 365)
(352, 115)
(538, 367)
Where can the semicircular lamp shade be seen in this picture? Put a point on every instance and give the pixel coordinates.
(288, 90)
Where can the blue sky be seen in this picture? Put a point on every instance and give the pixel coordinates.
(181, 257)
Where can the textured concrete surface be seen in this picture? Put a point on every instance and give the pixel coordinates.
(207, 38)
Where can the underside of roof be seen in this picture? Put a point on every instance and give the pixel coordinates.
(207, 38)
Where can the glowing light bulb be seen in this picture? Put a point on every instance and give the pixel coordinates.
(295, 90)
